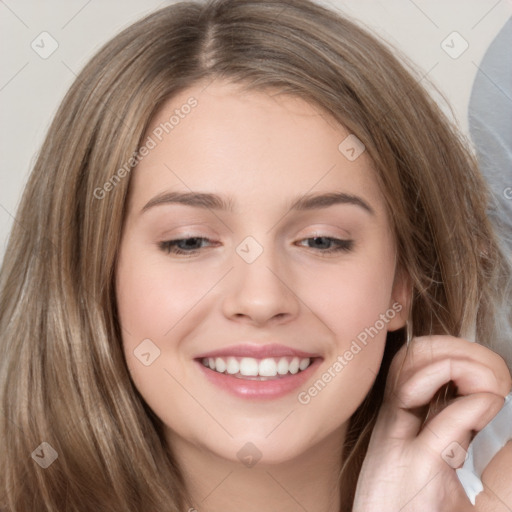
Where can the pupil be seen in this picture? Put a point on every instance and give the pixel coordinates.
(191, 242)
(319, 240)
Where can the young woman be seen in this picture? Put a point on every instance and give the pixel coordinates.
(246, 218)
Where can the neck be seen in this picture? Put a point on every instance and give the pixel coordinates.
(309, 481)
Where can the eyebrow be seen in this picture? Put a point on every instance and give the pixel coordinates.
(216, 202)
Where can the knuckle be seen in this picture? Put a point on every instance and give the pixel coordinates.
(404, 395)
(502, 374)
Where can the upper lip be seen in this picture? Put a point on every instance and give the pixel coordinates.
(257, 351)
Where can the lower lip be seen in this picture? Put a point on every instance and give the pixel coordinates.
(274, 388)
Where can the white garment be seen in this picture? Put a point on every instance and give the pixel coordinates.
(486, 444)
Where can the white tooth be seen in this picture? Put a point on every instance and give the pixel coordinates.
(220, 365)
(304, 363)
(249, 366)
(268, 368)
(282, 366)
(232, 366)
(293, 367)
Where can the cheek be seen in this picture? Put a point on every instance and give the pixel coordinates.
(354, 302)
(152, 298)
(352, 297)
(153, 304)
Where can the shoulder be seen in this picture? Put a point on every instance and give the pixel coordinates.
(497, 482)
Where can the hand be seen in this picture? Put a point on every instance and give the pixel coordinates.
(410, 464)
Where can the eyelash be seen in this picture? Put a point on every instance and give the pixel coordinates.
(170, 246)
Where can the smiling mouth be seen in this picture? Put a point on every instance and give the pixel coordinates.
(263, 378)
(250, 368)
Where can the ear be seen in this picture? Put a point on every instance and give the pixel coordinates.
(401, 297)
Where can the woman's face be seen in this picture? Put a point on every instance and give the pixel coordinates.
(289, 262)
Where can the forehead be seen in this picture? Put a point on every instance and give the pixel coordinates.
(249, 144)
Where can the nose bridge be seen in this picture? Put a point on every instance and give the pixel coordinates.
(257, 287)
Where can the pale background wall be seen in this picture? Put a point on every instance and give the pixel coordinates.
(31, 87)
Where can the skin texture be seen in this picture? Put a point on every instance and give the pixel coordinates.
(497, 481)
(263, 151)
(410, 467)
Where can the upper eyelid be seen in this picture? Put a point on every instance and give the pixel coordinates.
(314, 232)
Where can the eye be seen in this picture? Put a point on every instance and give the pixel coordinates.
(184, 246)
(326, 244)
(192, 245)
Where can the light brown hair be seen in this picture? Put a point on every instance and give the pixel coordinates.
(63, 377)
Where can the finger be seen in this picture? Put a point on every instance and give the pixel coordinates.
(425, 350)
(404, 409)
(468, 376)
(459, 421)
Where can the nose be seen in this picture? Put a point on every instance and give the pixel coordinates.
(261, 292)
